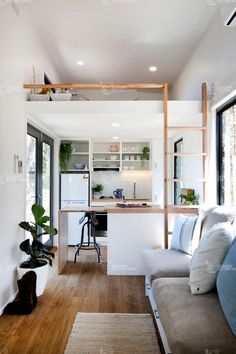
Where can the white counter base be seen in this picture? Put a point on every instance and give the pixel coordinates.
(128, 235)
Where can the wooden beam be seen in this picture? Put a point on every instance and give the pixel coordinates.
(165, 110)
(94, 86)
(187, 154)
(200, 180)
(187, 128)
(204, 135)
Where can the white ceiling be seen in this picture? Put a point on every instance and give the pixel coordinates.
(119, 39)
(138, 120)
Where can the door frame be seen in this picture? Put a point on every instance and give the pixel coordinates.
(40, 139)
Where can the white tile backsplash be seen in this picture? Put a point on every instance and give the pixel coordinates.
(125, 180)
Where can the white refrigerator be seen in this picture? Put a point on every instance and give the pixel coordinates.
(74, 192)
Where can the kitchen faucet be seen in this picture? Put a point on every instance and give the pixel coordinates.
(134, 190)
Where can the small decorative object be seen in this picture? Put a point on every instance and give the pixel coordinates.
(189, 198)
(113, 157)
(61, 96)
(39, 255)
(39, 97)
(79, 166)
(118, 193)
(65, 155)
(114, 148)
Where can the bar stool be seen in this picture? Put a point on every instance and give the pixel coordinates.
(88, 245)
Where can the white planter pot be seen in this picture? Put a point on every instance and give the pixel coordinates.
(42, 276)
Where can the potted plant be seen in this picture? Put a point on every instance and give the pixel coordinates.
(39, 257)
(145, 154)
(189, 198)
(65, 155)
(97, 189)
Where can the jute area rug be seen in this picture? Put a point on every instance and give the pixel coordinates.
(113, 333)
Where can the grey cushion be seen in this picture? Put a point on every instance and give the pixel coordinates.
(166, 263)
(193, 324)
(215, 215)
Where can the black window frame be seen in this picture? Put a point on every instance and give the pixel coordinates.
(40, 139)
(219, 151)
(175, 173)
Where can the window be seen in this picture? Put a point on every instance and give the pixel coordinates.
(178, 169)
(226, 154)
(39, 174)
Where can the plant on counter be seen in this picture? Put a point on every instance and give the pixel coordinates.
(35, 248)
(189, 199)
(97, 188)
(65, 155)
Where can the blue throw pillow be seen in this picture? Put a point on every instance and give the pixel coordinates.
(226, 287)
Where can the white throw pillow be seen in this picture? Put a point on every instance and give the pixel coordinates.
(209, 256)
(183, 233)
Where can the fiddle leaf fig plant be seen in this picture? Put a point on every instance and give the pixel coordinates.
(35, 248)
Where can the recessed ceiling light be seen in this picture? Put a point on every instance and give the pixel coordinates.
(152, 68)
(80, 62)
(115, 124)
(115, 137)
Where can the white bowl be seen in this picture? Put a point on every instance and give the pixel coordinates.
(113, 157)
(79, 166)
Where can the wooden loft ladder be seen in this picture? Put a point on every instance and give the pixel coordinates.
(203, 154)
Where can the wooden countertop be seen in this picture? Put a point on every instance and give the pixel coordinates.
(146, 210)
(114, 200)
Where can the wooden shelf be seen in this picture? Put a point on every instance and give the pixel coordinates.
(80, 153)
(187, 128)
(201, 180)
(95, 86)
(187, 154)
(143, 161)
(106, 161)
(106, 153)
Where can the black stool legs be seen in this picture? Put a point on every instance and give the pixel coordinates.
(90, 223)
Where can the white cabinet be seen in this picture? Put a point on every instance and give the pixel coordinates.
(80, 155)
(106, 156)
(121, 156)
(136, 156)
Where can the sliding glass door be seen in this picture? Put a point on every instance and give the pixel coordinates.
(39, 174)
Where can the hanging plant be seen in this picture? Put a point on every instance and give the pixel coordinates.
(65, 155)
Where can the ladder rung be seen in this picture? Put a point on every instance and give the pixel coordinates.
(186, 180)
(190, 154)
(187, 128)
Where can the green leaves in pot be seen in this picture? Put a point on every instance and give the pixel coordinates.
(65, 155)
(35, 248)
(145, 154)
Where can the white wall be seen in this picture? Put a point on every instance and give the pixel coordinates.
(125, 180)
(20, 50)
(213, 61)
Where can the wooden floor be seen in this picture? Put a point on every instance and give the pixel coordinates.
(83, 287)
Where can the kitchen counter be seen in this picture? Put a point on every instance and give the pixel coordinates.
(128, 234)
(147, 209)
(114, 200)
